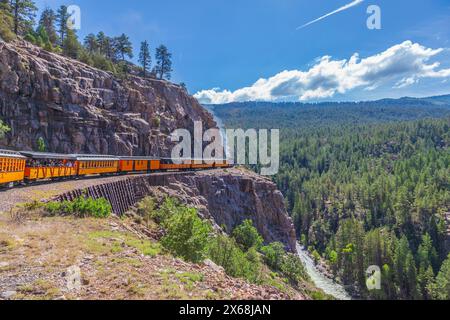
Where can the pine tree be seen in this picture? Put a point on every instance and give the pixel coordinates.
(23, 13)
(440, 289)
(90, 43)
(62, 17)
(47, 21)
(71, 46)
(124, 47)
(102, 43)
(163, 66)
(145, 58)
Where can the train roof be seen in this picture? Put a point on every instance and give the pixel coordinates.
(138, 158)
(46, 155)
(10, 154)
(191, 159)
(94, 157)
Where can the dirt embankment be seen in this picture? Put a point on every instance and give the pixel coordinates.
(67, 258)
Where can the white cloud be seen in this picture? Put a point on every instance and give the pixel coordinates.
(399, 66)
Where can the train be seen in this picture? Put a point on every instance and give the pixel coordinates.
(26, 167)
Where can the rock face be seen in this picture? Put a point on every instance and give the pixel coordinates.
(79, 109)
(226, 198)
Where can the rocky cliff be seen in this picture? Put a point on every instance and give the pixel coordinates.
(79, 109)
(226, 198)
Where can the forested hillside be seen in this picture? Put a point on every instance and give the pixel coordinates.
(367, 184)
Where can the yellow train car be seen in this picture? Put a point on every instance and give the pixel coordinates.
(222, 164)
(126, 164)
(139, 164)
(12, 167)
(202, 164)
(170, 165)
(96, 164)
(44, 166)
(155, 164)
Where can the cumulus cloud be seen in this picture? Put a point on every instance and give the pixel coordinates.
(400, 66)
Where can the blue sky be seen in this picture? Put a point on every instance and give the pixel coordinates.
(223, 47)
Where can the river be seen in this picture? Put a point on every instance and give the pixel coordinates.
(322, 282)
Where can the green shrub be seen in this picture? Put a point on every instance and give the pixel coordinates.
(292, 267)
(6, 23)
(247, 236)
(273, 254)
(157, 122)
(4, 129)
(316, 256)
(81, 207)
(146, 209)
(101, 62)
(186, 234)
(225, 252)
(42, 147)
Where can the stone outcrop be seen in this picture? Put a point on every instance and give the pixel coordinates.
(226, 198)
(79, 109)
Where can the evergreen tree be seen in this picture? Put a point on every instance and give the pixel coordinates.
(102, 42)
(90, 43)
(440, 289)
(62, 18)
(71, 46)
(124, 47)
(145, 58)
(163, 66)
(47, 21)
(23, 13)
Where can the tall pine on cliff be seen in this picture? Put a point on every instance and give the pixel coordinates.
(53, 33)
(163, 68)
(23, 13)
(145, 59)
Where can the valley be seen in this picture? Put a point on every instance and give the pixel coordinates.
(366, 184)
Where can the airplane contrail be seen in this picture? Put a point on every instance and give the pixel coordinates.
(347, 6)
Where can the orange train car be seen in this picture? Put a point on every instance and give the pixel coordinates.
(43, 166)
(96, 164)
(17, 167)
(139, 164)
(170, 165)
(12, 167)
(209, 164)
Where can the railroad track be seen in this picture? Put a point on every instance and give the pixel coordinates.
(46, 190)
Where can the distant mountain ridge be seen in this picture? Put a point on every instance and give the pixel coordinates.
(293, 114)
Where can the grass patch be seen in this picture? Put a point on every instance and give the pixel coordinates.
(189, 279)
(81, 207)
(115, 242)
(6, 243)
(40, 289)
